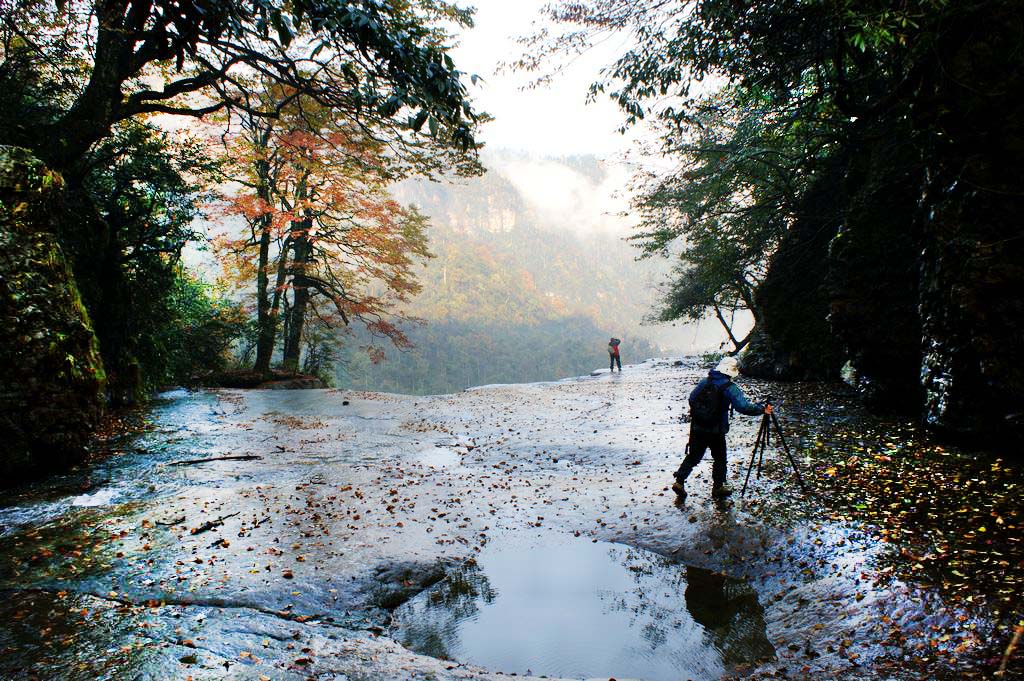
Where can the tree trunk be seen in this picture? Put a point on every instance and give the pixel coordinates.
(282, 274)
(737, 345)
(63, 143)
(266, 324)
(301, 249)
(266, 318)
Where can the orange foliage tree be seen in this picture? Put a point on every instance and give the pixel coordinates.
(325, 240)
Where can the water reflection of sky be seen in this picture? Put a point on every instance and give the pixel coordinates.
(570, 607)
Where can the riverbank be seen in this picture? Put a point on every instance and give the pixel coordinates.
(273, 534)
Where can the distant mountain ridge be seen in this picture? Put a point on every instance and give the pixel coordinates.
(512, 293)
(488, 223)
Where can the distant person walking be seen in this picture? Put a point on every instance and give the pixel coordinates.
(613, 354)
(710, 403)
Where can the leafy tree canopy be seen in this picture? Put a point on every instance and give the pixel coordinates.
(382, 63)
(148, 188)
(749, 99)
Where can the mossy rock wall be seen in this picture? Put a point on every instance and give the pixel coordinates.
(52, 382)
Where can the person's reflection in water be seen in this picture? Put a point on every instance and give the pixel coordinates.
(738, 540)
(728, 609)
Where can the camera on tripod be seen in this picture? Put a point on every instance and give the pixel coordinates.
(769, 424)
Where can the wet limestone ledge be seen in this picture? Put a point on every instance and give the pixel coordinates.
(52, 382)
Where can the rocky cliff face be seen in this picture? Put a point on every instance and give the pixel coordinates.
(972, 309)
(925, 273)
(793, 340)
(872, 272)
(51, 375)
(972, 281)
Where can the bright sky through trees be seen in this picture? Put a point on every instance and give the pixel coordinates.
(553, 120)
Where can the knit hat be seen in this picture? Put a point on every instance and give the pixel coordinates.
(729, 366)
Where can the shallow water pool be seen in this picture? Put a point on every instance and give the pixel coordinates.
(564, 606)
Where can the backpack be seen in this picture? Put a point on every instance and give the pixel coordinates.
(706, 405)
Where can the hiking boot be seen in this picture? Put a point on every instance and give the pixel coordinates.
(721, 491)
(679, 488)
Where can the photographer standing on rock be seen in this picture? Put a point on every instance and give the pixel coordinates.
(613, 354)
(710, 403)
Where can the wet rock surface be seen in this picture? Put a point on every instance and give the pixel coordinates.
(293, 564)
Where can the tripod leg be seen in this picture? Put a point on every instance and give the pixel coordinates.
(766, 442)
(785, 447)
(753, 452)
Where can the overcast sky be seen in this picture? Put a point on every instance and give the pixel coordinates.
(551, 121)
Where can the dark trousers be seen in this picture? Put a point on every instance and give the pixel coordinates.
(615, 360)
(699, 443)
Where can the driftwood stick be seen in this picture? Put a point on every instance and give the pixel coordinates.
(1009, 651)
(239, 457)
(244, 531)
(210, 524)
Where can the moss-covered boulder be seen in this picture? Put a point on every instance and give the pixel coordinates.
(51, 375)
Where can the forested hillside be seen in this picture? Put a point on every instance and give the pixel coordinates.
(511, 294)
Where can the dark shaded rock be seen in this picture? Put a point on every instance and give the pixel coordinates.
(972, 281)
(873, 271)
(972, 314)
(394, 584)
(793, 339)
(297, 383)
(766, 358)
(925, 273)
(238, 379)
(276, 380)
(52, 379)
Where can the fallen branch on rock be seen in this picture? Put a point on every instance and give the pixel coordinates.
(244, 531)
(239, 457)
(210, 524)
(1009, 651)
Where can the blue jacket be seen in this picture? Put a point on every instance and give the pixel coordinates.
(734, 398)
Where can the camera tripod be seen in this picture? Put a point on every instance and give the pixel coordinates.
(764, 436)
